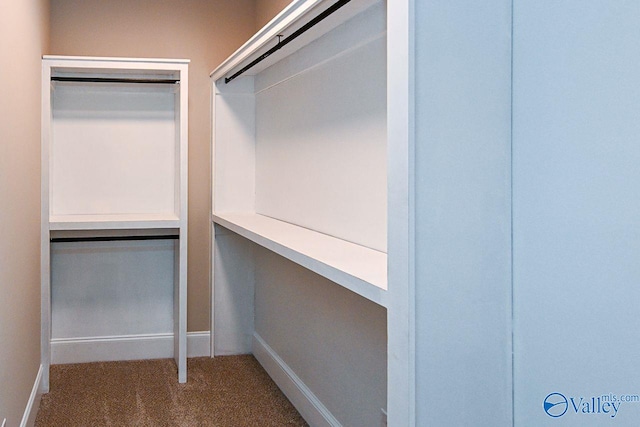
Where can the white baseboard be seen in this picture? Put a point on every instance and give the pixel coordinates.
(31, 411)
(128, 347)
(309, 406)
(198, 344)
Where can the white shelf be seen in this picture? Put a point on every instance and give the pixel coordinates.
(113, 222)
(114, 164)
(137, 62)
(355, 267)
(301, 138)
(295, 15)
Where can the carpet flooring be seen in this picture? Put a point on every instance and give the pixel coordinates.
(223, 391)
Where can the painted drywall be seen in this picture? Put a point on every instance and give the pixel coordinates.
(234, 293)
(463, 213)
(205, 32)
(267, 9)
(24, 37)
(98, 292)
(333, 339)
(321, 155)
(576, 213)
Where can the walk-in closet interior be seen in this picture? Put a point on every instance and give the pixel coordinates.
(300, 207)
(299, 212)
(389, 212)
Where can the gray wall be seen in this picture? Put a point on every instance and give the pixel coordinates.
(576, 158)
(462, 213)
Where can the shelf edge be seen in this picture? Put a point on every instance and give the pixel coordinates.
(115, 59)
(288, 16)
(346, 279)
(114, 225)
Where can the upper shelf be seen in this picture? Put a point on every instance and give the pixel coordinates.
(70, 65)
(114, 143)
(355, 267)
(135, 61)
(293, 17)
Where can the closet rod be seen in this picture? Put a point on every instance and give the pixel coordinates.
(112, 80)
(287, 40)
(113, 238)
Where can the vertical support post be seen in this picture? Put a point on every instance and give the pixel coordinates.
(45, 245)
(180, 306)
(401, 221)
(180, 294)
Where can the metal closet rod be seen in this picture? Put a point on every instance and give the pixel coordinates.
(113, 80)
(113, 238)
(287, 40)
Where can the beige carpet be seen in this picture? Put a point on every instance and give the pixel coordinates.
(224, 391)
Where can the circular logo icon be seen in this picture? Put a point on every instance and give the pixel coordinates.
(555, 405)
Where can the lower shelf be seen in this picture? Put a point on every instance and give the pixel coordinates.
(360, 269)
(108, 222)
